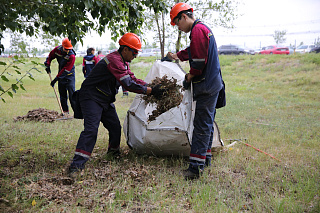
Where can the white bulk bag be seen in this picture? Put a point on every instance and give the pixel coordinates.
(171, 132)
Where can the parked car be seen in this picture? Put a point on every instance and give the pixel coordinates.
(44, 55)
(4, 55)
(248, 50)
(81, 53)
(305, 48)
(108, 51)
(257, 51)
(274, 49)
(150, 52)
(291, 50)
(230, 50)
(315, 49)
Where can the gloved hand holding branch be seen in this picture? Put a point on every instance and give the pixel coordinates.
(186, 84)
(158, 91)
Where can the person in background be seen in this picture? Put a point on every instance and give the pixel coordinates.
(100, 55)
(96, 97)
(66, 57)
(205, 76)
(89, 61)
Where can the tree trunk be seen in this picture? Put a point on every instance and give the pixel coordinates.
(163, 37)
(178, 42)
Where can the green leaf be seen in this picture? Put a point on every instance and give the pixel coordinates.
(3, 63)
(99, 4)
(36, 69)
(31, 77)
(4, 78)
(18, 72)
(21, 86)
(2, 100)
(88, 4)
(10, 93)
(14, 66)
(1, 89)
(35, 62)
(14, 87)
(113, 3)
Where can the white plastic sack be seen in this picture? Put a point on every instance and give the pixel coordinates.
(171, 132)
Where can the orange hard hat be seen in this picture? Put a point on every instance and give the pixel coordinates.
(131, 40)
(66, 43)
(177, 8)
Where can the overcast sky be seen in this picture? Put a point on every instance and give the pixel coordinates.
(300, 18)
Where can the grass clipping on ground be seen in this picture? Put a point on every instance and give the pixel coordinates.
(171, 98)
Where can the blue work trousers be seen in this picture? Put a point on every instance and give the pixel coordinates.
(202, 137)
(93, 113)
(66, 88)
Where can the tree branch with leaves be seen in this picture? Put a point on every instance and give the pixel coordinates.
(4, 75)
(74, 19)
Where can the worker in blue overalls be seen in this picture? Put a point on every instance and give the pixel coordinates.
(89, 61)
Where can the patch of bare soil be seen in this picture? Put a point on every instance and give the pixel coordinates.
(40, 115)
(170, 99)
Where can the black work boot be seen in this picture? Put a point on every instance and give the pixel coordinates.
(208, 162)
(73, 172)
(114, 153)
(189, 175)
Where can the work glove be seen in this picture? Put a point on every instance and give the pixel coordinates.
(54, 81)
(48, 70)
(166, 58)
(158, 91)
(47, 67)
(185, 83)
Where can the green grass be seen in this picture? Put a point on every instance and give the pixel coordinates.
(273, 104)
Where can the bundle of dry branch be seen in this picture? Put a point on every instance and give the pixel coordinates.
(170, 99)
(43, 115)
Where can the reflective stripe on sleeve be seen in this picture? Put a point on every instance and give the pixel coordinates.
(199, 59)
(124, 77)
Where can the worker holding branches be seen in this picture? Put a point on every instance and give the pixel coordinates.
(96, 97)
